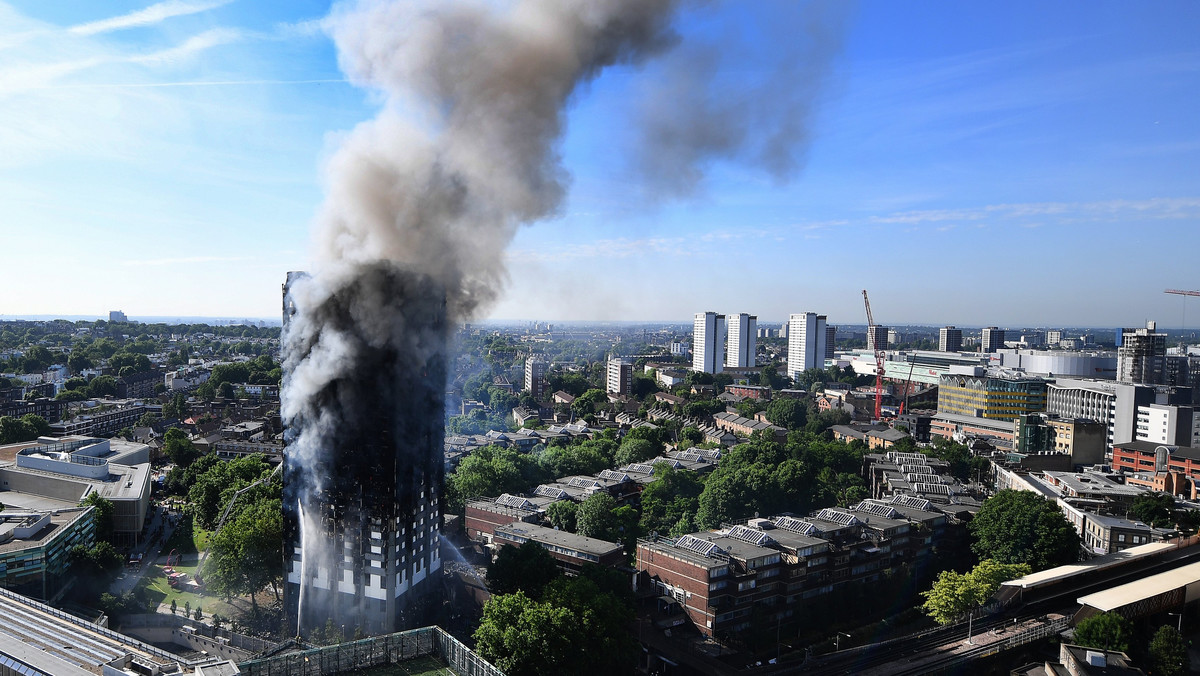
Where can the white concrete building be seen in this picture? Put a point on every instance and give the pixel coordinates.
(1170, 425)
(708, 342)
(620, 376)
(806, 342)
(740, 347)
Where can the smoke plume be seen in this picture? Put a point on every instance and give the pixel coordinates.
(422, 200)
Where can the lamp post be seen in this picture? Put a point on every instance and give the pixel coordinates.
(1179, 626)
(837, 640)
(970, 625)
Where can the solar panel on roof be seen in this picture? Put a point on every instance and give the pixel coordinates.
(912, 501)
(583, 482)
(614, 475)
(877, 509)
(514, 501)
(701, 547)
(751, 535)
(798, 526)
(837, 516)
(640, 468)
(936, 489)
(923, 478)
(916, 468)
(550, 492)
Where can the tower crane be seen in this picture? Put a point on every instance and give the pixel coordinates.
(879, 357)
(1185, 294)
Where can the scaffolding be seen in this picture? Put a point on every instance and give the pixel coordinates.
(347, 658)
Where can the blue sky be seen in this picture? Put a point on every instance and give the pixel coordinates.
(1012, 164)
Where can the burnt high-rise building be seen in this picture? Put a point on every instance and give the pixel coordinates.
(364, 411)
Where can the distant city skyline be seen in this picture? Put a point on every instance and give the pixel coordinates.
(1013, 165)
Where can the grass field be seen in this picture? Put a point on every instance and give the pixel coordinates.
(422, 666)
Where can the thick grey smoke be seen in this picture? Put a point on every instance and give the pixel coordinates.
(422, 201)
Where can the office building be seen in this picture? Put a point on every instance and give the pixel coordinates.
(949, 339)
(117, 316)
(620, 376)
(1053, 338)
(991, 339)
(35, 548)
(1141, 358)
(806, 343)
(739, 350)
(1080, 438)
(535, 377)
(830, 341)
(1112, 404)
(708, 342)
(1167, 424)
(877, 338)
(990, 395)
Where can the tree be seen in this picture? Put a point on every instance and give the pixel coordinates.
(1107, 631)
(199, 615)
(13, 430)
(690, 436)
(1168, 652)
(673, 495)
(246, 553)
(36, 423)
(562, 515)
(490, 471)
(953, 594)
(635, 450)
(1023, 527)
(102, 386)
(102, 515)
(176, 407)
(1153, 508)
(523, 637)
(527, 568)
(174, 607)
(75, 384)
(178, 448)
(789, 413)
(595, 519)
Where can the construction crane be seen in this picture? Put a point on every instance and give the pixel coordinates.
(879, 357)
(1185, 294)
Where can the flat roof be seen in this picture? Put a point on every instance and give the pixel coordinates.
(58, 522)
(562, 538)
(1119, 597)
(1099, 563)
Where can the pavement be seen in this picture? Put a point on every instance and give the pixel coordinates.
(150, 548)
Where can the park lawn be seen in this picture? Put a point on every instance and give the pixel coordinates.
(157, 590)
(188, 540)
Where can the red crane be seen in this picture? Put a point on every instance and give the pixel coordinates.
(879, 357)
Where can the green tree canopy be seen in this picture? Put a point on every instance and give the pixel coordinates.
(179, 448)
(527, 568)
(36, 423)
(1107, 631)
(247, 553)
(636, 450)
(490, 471)
(562, 515)
(595, 518)
(1168, 652)
(102, 515)
(1153, 508)
(1023, 527)
(787, 412)
(102, 386)
(953, 593)
(673, 495)
(523, 637)
(14, 430)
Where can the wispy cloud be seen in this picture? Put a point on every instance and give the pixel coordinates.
(196, 43)
(1062, 212)
(153, 14)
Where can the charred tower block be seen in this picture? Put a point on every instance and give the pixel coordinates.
(363, 472)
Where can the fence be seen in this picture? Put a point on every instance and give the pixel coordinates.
(373, 652)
